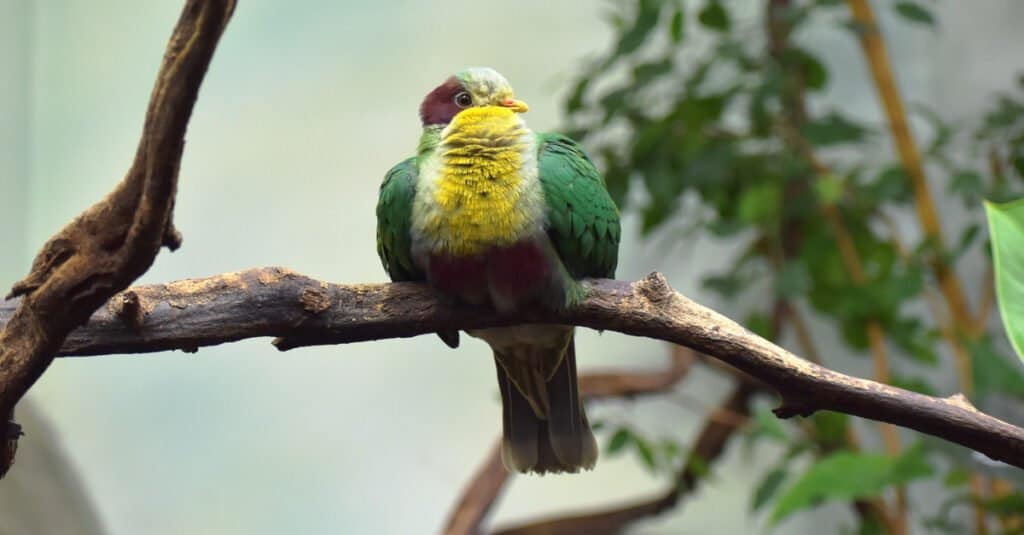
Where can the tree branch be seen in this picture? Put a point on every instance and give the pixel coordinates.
(478, 496)
(490, 479)
(709, 446)
(109, 245)
(304, 312)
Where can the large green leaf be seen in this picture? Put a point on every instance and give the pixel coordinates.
(1006, 227)
(846, 475)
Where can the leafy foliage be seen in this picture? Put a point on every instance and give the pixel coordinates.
(851, 475)
(694, 105)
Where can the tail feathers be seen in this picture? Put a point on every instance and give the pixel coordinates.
(568, 428)
(557, 439)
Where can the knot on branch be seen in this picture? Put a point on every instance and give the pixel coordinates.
(12, 431)
(315, 300)
(9, 446)
(172, 237)
(961, 401)
(274, 274)
(655, 288)
(128, 308)
(794, 407)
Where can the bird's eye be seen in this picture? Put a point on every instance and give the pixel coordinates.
(463, 100)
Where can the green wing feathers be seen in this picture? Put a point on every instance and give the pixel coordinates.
(583, 219)
(394, 221)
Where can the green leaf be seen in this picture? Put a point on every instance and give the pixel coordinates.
(670, 449)
(846, 475)
(967, 238)
(619, 440)
(1006, 227)
(957, 476)
(830, 426)
(1018, 163)
(575, 101)
(699, 466)
(759, 203)
(943, 133)
(644, 73)
(1012, 503)
(814, 71)
(714, 16)
(677, 26)
(646, 19)
(968, 184)
(833, 129)
(768, 487)
(646, 453)
(892, 185)
(829, 188)
(914, 12)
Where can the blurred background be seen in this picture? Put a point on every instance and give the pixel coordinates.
(724, 128)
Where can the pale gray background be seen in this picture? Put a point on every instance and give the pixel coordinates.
(306, 105)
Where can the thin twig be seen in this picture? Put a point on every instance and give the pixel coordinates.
(479, 496)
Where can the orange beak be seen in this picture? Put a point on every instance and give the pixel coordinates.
(517, 106)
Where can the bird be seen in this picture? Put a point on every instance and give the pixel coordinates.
(489, 212)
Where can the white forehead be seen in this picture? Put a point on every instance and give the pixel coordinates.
(483, 80)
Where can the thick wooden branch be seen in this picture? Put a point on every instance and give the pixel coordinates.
(113, 242)
(302, 312)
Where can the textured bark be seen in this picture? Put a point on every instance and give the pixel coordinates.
(483, 490)
(113, 242)
(303, 312)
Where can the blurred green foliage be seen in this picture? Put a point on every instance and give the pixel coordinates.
(701, 121)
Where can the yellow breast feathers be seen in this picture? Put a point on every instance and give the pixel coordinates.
(484, 185)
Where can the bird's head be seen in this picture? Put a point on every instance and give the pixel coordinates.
(473, 87)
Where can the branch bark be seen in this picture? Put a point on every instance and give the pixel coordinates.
(113, 242)
(305, 312)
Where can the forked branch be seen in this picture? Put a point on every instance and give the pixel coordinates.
(113, 242)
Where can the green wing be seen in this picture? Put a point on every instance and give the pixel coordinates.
(583, 220)
(394, 222)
